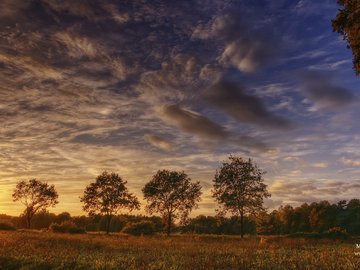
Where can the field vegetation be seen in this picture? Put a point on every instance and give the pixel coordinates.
(25, 249)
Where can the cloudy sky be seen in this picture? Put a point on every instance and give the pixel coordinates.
(136, 86)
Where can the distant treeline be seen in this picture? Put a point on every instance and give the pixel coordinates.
(44, 219)
(315, 217)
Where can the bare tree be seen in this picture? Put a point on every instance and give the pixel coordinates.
(171, 194)
(36, 196)
(107, 195)
(239, 188)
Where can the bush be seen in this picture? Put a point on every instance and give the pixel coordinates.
(57, 228)
(66, 227)
(334, 233)
(337, 232)
(91, 227)
(4, 226)
(76, 230)
(140, 228)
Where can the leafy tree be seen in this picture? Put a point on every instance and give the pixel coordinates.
(285, 218)
(268, 223)
(140, 228)
(64, 216)
(42, 220)
(107, 195)
(347, 23)
(172, 194)
(36, 196)
(239, 188)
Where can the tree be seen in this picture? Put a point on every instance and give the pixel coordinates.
(347, 23)
(107, 195)
(239, 188)
(171, 194)
(36, 196)
(64, 216)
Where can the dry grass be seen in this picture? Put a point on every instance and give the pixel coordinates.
(44, 250)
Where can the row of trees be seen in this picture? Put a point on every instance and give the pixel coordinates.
(239, 189)
(316, 217)
(200, 224)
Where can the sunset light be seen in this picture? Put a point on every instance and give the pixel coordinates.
(122, 92)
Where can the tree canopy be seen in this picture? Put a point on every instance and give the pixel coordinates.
(107, 195)
(172, 194)
(36, 196)
(347, 23)
(239, 188)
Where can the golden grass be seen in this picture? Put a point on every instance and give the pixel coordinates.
(44, 250)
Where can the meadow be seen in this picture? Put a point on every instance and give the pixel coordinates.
(46, 250)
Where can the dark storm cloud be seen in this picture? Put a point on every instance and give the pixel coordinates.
(194, 123)
(231, 98)
(324, 93)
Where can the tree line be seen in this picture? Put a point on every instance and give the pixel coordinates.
(316, 217)
(238, 189)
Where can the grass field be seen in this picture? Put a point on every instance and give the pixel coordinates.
(44, 250)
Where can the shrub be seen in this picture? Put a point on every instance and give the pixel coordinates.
(55, 227)
(66, 227)
(140, 228)
(337, 232)
(334, 233)
(4, 226)
(91, 227)
(76, 230)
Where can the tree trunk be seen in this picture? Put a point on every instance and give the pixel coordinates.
(108, 220)
(242, 223)
(169, 224)
(28, 220)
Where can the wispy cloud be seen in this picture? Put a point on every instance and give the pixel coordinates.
(245, 49)
(158, 142)
(350, 162)
(132, 87)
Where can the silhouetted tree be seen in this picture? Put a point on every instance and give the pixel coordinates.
(347, 23)
(202, 224)
(64, 216)
(36, 196)
(42, 220)
(239, 188)
(171, 194)
(107, 195)
(352, 216)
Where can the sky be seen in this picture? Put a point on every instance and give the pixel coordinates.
(136, 86)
